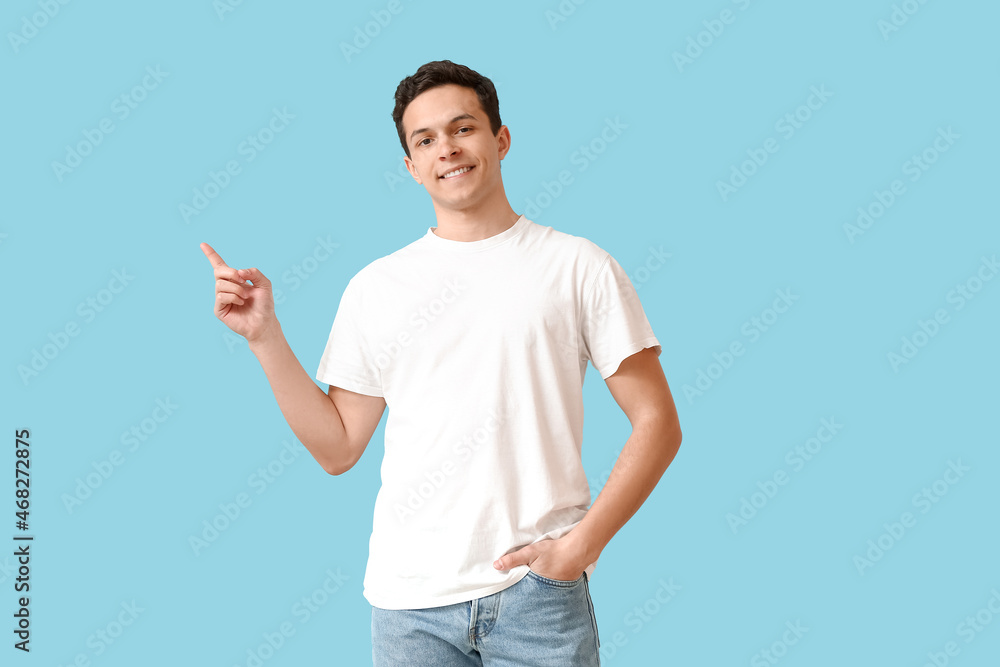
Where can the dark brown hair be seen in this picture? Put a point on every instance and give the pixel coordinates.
(440, 73)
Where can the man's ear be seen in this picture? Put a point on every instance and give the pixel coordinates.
(503, 139)
(412, 168)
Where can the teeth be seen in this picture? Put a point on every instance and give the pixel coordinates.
(456, 172)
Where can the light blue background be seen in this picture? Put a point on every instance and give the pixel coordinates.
(332, 174)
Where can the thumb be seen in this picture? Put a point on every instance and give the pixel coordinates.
(513, 559)
(254, 276)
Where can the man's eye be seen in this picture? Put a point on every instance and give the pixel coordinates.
(422, 141)
(461, 129)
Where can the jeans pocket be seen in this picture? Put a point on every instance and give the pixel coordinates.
(559, 583)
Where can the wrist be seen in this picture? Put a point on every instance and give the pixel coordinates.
(266, 338)
(587, 550)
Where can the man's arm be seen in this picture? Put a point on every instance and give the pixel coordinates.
(640, 389)
(334, 427)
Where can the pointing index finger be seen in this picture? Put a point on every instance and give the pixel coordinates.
(213, 256)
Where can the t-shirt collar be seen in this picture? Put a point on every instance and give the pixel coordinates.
(473, 246)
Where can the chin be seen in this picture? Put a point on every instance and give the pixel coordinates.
(455, 204)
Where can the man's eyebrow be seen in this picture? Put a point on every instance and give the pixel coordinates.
(464, 116)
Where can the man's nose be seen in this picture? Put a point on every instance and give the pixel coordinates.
(447, 148)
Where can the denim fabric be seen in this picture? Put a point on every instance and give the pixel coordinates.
(537, 622)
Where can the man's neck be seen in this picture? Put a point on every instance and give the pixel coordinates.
(475, 224)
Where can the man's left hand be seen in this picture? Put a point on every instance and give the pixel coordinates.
(561, 559)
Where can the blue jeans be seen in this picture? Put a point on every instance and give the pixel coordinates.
(537, 622)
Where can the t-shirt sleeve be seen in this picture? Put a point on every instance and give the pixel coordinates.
(347, 360)
(613, 325)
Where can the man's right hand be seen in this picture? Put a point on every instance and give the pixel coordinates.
(246, 309)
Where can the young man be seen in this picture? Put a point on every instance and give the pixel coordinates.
(477, 336)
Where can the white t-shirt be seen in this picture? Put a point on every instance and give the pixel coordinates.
(480, 350)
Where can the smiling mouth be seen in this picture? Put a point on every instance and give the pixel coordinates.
(457, 172)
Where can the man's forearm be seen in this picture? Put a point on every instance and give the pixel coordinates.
(647, 453)
(310, 413)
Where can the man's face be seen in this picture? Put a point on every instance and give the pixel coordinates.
(448, 131)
